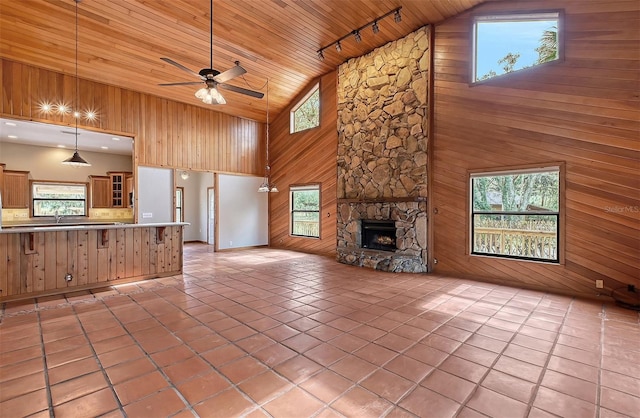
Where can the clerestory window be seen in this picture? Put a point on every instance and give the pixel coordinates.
(506, 43)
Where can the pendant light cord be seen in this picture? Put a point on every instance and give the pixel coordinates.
(77, 105)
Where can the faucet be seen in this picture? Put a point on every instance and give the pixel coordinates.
(57, 218)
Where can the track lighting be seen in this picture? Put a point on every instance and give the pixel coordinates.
(357, 34)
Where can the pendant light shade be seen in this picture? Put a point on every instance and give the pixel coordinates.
(76, 160)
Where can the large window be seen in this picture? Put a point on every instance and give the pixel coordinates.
(507, 43)
(306, 114)
(516, 214)
(305, 211)
(59, 199)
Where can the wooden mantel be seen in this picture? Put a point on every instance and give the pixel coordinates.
(36, 261)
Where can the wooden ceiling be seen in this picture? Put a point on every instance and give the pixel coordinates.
(121, 41)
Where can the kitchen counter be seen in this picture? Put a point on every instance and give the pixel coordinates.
(44, 259)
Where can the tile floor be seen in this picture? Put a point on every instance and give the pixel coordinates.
(265, 332)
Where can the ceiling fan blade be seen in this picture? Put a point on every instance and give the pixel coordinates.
(240, 90)
(182, 67)
(185, 83)
(230, 73)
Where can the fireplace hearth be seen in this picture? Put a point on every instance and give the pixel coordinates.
(378, 235)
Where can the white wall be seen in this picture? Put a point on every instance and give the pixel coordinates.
(155, 195)
(45, 163)
(195, 203)
(242, 212)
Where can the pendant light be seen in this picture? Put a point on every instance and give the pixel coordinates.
(266, 185)
(76, 160)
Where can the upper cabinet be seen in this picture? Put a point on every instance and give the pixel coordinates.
(100, 191)
(119, 191)
(15, 189)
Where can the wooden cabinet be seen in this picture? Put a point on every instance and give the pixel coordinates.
(128, 188)
(117, 187)
(15, 189)
(100, 191)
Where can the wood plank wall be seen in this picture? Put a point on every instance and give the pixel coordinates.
(583, 111)
(302, 158)
(36, 263)
(167, 133)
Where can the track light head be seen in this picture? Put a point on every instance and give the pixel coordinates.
(375, 28)
(356, 35)
(338, 47)
(396, 16)
(321, 54)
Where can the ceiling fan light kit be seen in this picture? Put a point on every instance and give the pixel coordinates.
(213, 79)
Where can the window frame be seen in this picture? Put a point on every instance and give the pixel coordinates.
(305, 187)
(32, 199)
(511, 16)
(300, 103)
(558, 166)
(179, 204)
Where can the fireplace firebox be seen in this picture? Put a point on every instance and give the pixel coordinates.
(378, 235)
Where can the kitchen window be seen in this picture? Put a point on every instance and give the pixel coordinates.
(58, 199)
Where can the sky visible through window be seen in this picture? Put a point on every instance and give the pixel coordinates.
(497, 39)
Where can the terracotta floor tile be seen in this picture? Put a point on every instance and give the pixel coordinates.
(20, 386)
(563, 405)
(161, 404)
(78, 387)
(93, 404)
(130, 370)
(265, 387)
(463, 368)
(298, 369)
(511, 386)
(387, 385)
(371, 343)
(242, 369)
(222, 355)
(427, 403)
(326, 385)
(230, 403)
(359, 402)
(570, 385)
(187, 369)
(448, 385)
(274, 354)
(139, 387)
(620, 402)
(203, 387)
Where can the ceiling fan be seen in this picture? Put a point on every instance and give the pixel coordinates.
(213, 79)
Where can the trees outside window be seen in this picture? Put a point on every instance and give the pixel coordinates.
(305, 211)
(306, 114)
(507, 43)
(59, 199)
(516, 214)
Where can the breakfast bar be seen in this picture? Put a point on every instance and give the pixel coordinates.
(38, 260)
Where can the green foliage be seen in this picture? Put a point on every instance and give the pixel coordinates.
(548, 49)
(307, 116)
(517, 192)
(306, 200)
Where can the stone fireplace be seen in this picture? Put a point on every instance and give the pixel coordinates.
(382, 156)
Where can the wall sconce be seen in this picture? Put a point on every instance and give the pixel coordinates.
(184, 175)
(357, 33)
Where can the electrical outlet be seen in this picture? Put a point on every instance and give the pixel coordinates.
(147, 215)
(68, 277)
(599, 284)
